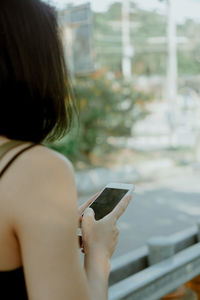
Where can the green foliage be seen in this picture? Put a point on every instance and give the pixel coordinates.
(188, 54)
(108, 107)
(150, 57)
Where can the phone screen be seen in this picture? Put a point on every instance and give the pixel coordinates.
(106, 201)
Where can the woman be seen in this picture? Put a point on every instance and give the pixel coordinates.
(39, 216)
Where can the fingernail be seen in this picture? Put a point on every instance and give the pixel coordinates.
(89, 211)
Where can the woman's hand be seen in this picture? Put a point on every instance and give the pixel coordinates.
(81, 210)
(102, 235)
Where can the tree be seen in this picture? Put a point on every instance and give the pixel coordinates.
(108, 107)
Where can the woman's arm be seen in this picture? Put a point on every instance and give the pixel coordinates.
(97, 265)
(45, 222)
(99, 239)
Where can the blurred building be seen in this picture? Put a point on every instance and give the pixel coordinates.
(77, 30)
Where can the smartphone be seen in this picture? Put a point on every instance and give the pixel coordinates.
(106, 201)
(109, 197)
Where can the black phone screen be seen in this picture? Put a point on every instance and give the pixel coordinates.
(107, 201)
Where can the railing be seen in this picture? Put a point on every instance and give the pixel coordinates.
(155, 270)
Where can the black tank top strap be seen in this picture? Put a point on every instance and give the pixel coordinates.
(11, 146)
(8, 146)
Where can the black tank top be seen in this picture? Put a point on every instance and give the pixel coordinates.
(12, 283)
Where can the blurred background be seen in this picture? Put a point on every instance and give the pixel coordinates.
(135, 70)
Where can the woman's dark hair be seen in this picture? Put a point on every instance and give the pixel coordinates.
(36, 102)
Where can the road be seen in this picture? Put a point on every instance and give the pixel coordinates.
(161, 207)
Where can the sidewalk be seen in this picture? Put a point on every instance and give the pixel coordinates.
(89, 182)
(164, 203)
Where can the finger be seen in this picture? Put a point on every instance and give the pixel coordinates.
(88, 217)
(86, 204)
(120, 207)
(89, 212)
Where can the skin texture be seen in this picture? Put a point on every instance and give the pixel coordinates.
(39, 217)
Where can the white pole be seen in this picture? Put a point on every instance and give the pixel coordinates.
(127, 49)
(172, 65)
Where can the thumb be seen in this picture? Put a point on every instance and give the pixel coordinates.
(88, 212)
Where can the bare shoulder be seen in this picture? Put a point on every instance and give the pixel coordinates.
(44, 180)
(44, 156)
(41, 164)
